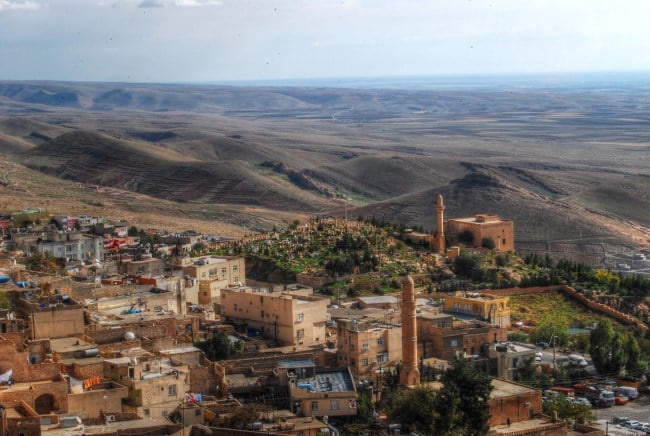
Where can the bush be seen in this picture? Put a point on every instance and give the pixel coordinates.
(488, 243)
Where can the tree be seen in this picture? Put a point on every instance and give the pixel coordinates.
(466, 237)
(634, 365)
(414, 409)
(568, 411)
(608, 351)
(468, 265)
(463, 401)
(552, 328)
(44, 262)
(218, 346)
(488, 243)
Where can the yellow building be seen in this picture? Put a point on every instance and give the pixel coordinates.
(482, 226)
(288, 318)
(484, 307)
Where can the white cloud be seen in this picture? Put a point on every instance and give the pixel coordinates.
(196, 3)
(14, 5)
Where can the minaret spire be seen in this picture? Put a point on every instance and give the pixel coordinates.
(440, 221)
(410, 374)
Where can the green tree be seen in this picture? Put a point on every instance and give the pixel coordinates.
(552, 328)
(468, 265)
(488, 243)
(414, 409)
(44, 262)
(4, 300)
(466, 237)
(634, 366)
(219, 346)
(608, 350)
(463, 401)
(568, 411)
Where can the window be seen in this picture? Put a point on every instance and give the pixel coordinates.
(205, 293)
(454, 342)
(68, 248)
(212, 272)
(364, 347)
(364, 362)
(234, 268)
(300, 317)
(352, 347)
(235, 279)
(334, 405)
(224, 270)
(382, 358)
(171, 390)
(314, 405)
(380, 341)
(300, 333)
(262, 314)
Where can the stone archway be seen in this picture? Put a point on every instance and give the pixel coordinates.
(44, 404)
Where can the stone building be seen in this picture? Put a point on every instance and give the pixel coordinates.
(483, 307)
(155, 387)
(508, 356)
(367, 346)
(18, 418)
(71, 246)
(441, 337)
(482, 226)
(56, 316)
(287, 318)
(37, 377)
(320, 391)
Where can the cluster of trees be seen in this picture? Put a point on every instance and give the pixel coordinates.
(551, 272)
(46, 263)
(461, 406)
(614, 352)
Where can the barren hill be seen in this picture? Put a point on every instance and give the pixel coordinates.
(568, 165)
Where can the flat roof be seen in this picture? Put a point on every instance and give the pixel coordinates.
(502, 388)
(335, 381)
(296, 363)
(379, 299)
(180, 350)
(66, 345)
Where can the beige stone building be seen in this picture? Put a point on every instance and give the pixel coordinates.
(229, 269)
(210, 274)
(287, 318)
(482, 226)
(155, 387)
(484, 307)
(320, 392)
(368, 346)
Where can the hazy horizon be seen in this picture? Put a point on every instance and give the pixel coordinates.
(199, 41)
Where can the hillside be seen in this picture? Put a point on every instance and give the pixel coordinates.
(568, 165)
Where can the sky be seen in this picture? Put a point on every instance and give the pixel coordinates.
(225, 40)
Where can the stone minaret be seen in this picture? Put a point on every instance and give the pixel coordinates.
(440, 220)
(410, 374)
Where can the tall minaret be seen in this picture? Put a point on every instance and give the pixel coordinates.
(410, 374)
(440, 221)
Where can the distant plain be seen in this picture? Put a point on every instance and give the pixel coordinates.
(567, 162)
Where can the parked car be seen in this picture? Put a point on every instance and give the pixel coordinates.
(621, 400)
(631, 393)
(581, 400)
(543, 345)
